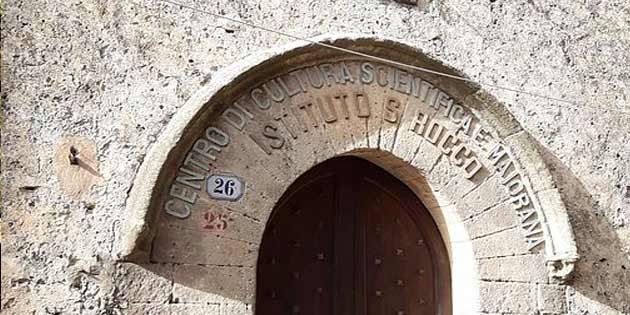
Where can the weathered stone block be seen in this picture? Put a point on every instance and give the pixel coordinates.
(147, 283)
(552, 299)
(194, 247)
(508, 297)
(522, 268)
(498, 218)
(487, 194)
(210, 284)
(504, 243)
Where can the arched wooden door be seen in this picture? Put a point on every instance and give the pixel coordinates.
(348, 238)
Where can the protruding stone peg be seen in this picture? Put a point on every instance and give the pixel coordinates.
(73, 157)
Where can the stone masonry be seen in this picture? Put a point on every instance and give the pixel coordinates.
(106, 77)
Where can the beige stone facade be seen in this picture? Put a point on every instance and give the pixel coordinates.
(142, 223)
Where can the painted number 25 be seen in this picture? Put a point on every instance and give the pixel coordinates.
(224, 187)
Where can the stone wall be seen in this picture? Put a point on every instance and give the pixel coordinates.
(108, 76)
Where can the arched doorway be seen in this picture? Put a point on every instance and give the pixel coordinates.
(349, 238)
(275, 115)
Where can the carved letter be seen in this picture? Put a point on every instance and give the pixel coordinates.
(260, 144)
(314, 77)
(327, 109)
(460, 151)
(419, 122)
(503, 170)
(497, 154)
(204, 147)
(271, 132)
(276, 93)
(363, 105)
(286, 88)
(191, 161)
(344, 105)
(443, 100)
(329, 72)
(234, 118)
(432, 98)
(447, 139)
(471, 171)
(425, 89)
(180, 212)
(218, 137)
(432, 134)
(296, 77)
(381, 77)
(392, 110)
(401, 82)
(287, 126)
(345, 73)
(189, 177)
(260, 103)
(242, 109)
(453, 113)
(483, 138)
(367, 73)
(183, 193)
(309, 112)
(466, 125)
(520, 201)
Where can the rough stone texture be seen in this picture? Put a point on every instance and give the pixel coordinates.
(510, 297)
(139, 283)
(513, 268)
(552, 299)
(116, 72)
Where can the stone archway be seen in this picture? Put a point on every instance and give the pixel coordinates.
(271, 117)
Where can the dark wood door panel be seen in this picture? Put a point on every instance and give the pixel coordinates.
(399, 267)
(347, 238)
(295, 263)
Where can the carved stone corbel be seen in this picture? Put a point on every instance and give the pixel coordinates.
(561, 269)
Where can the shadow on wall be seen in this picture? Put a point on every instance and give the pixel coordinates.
(602, 274)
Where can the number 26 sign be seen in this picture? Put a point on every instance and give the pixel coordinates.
(224, 187)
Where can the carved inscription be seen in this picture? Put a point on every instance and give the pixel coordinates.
(448, 142)
(285, 108)
(513, 180)
(305, 116)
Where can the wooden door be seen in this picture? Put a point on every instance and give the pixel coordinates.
(348, 238)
